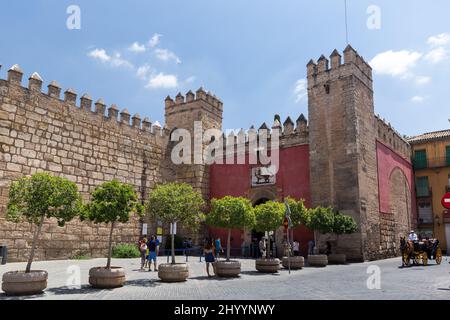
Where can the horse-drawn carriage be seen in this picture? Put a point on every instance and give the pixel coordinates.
(420, 252)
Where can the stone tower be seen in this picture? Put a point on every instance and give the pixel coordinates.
(342, 137)
(183, 113)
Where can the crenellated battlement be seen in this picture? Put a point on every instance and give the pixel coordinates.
(122, 118)
(200, 95)
(392, 138)
(323, 71)
(288, 134)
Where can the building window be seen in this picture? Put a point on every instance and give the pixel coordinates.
(447, 156)
(425, 213)
(420, 159)
(423, 189)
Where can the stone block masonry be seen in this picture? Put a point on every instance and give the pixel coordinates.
(40, 132)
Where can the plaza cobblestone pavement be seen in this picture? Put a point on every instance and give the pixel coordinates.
(333, 282)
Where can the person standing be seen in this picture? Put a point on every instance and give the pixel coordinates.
(262, 247)
(153, 247)
(143, 251)
(296, 248)
(218, 246)
(208, 252)
(311, 245)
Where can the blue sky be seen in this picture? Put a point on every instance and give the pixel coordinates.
(252, 54)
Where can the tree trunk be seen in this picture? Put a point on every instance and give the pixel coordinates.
(228, 244)
(108, 264)
(268, 246)
(337, 243)
(33, 245)
(173, 245)
(315, 249)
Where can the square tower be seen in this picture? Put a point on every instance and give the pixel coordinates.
(342, 146)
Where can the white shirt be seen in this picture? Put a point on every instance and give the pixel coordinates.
(296, 246)
(413, 237)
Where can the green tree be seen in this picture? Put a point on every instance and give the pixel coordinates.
(299, 213)
(42, 196)
(343, 224)
(269, 217)
(112, 202)
(231, 213)
(176, 202)
(321, 221)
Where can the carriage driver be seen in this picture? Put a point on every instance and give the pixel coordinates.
(413, 236)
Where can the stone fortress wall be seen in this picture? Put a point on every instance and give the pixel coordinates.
(41, 132)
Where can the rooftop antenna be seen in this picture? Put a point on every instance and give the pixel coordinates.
(346, 22)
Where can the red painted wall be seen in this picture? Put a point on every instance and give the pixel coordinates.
(388, 160)
(292, 179)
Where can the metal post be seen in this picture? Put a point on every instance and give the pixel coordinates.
(289, 250)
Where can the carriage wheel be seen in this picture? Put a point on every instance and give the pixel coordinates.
(405, 259)
(438, 255)
(425, 259)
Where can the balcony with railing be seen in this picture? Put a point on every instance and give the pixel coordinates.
(431, 163)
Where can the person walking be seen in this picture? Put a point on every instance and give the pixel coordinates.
(153, 247)
(208, 252)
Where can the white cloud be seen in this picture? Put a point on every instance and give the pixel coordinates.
(395, 63)
(422, 80)
(99, 54)
(118, 61)
(436, 55)
(166, 55)
(115, 60)
(300, 90)
(190, 79)
(162, 80)
(439, 40)
(417, 99)
(143, 71)
(154, 40)
(137, 47)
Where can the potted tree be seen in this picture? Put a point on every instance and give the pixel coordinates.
(34, 199)
(174, 203)
(269, 217)
(230, 213)
(320, 221)
(111, 202)
(298, 216)
(342, 224)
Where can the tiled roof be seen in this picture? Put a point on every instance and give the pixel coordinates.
(437, 135)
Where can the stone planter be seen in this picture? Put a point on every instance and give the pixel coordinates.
(16, 283)
(228, 268)
(318, 260)
(268, 265)
(337, 259)
(168, 272)
(102, 278)
(296, 262)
